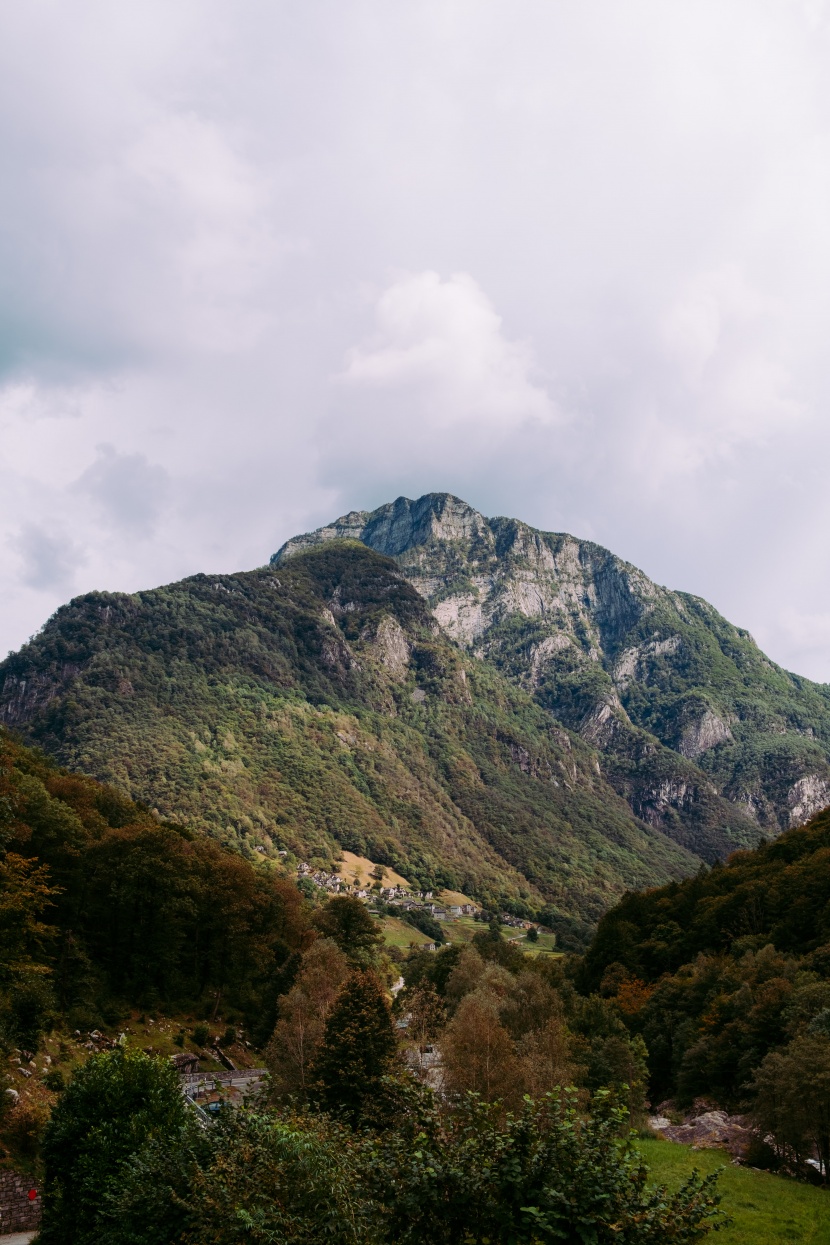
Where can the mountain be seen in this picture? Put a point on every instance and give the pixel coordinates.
(705, 738)
(317, 705)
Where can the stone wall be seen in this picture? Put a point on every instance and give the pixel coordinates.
(18, 1212)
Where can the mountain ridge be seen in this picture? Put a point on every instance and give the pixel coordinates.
(683, 707)
(318, 706)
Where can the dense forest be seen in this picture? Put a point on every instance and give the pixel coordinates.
(726, 977)
(103, 907)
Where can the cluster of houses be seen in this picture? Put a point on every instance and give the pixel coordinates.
(328, 881)
(515, 922)
(397, 896)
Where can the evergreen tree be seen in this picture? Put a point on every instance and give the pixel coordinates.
(357, 1052)
(347, 922)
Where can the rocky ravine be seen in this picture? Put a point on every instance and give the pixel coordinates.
(705, 738)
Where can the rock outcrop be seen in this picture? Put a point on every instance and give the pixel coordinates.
(702, 734)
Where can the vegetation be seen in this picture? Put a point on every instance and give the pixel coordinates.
(701, 734)
(104, 907)
(552, 1171)
(726, 977)
(356, 1052)
(760, 1207)
(114, 1105)
(274, 710)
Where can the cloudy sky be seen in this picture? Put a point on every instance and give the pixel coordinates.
(263, 262)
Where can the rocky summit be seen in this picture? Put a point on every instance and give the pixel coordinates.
(704, 737)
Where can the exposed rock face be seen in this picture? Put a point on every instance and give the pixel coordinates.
(706, 1128)
(699, 737)
(685, 712)
(808, 796)
(393, 647)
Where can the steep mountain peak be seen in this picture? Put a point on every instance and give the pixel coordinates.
(694, 725)
(476, 571)
(399, 526)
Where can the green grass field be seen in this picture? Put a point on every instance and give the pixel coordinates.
(765, 1209)
(464, 929)
(397, 933)
(546, 945)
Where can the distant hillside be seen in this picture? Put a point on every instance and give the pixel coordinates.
(317, 706)
(704, 737)
(720, 970)
(777, 894)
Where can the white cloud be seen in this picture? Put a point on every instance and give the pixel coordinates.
(129, 490)
(444, 341)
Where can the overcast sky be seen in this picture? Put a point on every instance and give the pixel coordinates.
(264, 262)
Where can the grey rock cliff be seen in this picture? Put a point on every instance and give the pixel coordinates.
(702, 734)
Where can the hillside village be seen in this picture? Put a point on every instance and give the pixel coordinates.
(380, 887)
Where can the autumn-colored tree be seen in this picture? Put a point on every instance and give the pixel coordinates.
(545, 1059)
(477, 1050)
(426, 1013)
(464, 976)
(26, 997)
(357, 1051)
(303, 1013)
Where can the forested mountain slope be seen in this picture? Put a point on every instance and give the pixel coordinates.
(102, 904)
(682, 706)
(317, 706)
(727, 973)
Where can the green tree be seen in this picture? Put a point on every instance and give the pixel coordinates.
(113, 1105)
(357, 1051)
(551, 1172)
(254, 1178)
(346, 921)
(792, 1100)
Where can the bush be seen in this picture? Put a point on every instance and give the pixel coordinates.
(252, 1177)
(548, 1173)
(55, 1080)
(425, 922)
(23, 1128)
(201, 1035)
(111, 1107)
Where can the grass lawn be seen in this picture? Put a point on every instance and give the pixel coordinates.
(397, 933)
(545, 945)
(765, 1209)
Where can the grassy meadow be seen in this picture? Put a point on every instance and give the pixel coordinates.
(765, 1209)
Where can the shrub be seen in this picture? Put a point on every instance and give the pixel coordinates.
(111, 1107)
